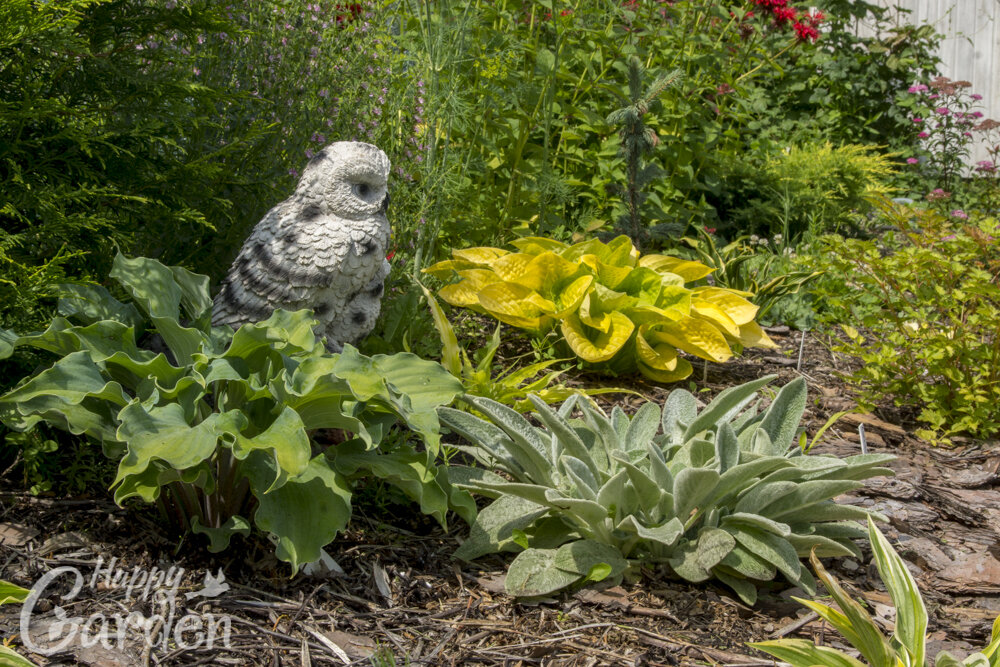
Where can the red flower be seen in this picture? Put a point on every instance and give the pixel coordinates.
(783, 15)
(806, 32)
(392, 253)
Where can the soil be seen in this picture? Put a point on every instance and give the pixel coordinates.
(401, 599)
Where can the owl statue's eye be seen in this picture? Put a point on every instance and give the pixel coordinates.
(362, 190)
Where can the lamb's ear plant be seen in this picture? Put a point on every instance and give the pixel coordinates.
(906, 647)
(721, 493)
(217, 433)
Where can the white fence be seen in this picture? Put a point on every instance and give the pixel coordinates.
(971, 48)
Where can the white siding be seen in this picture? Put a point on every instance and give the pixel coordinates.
(971, 48)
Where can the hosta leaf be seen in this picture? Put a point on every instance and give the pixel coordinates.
(569, 297)
(609, 275)
(689, 270)
(303, 515)
(694, 336)
(691, 486)
(694, 560)
(781, 419)
(449, 267)
(220, 537)
(285, 439)
(595, 346)
(465, 293)
(773, 549)
(513, 304)
(751, 335)
(545, 271)
(534, 573)
(661, 358)
(479, 255)
(72, 395)
(739, 310)
(88, 304)
(536, 245)
(681, 370)
(803, 653)
(581, 556)
(514, 268)
(10, 658)
(714, 316)
(491, 530)
(163, 433)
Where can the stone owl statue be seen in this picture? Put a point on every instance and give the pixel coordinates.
(322, 248)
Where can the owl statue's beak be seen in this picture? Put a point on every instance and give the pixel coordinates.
(385, 204)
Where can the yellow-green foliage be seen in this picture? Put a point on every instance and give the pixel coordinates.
(828, 181)
(611, 304)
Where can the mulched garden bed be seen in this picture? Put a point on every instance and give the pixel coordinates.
(401, 599)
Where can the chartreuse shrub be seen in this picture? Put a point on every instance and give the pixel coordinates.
(722, 493)
(906, 647)
(925, 308)
(216, 431)
(612, 306)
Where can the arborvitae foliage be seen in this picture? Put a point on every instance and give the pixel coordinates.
(106, 139)
(638, 141)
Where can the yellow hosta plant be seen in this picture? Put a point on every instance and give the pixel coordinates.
(610, 304)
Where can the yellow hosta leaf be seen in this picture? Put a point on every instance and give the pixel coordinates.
(593, 345)
(645, 314)
(694, 336)
(513, 304)
(465, 293)
(536, 245)
(682, 371)
(675, 298)
(608, 275)
(547, 270)
(662, 357)
(716, 316)
(513, 267)
(591, 314)
(685, 268)
(444, 270)
(751, 335)
(543, 304)
(482, 256)
(571, 296)
(730, 302)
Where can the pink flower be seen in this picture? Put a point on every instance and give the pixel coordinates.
(918, 120)
(944, 111)
(912, 160)
(959, 213)
(917, 88)
(923, 135)
(976, 96)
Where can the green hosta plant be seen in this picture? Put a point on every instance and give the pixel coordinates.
(217, 432)
(906, 647)
(612, 306)
(725, 492)
(510, 388)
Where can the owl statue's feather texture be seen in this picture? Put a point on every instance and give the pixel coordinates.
(322, 248)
